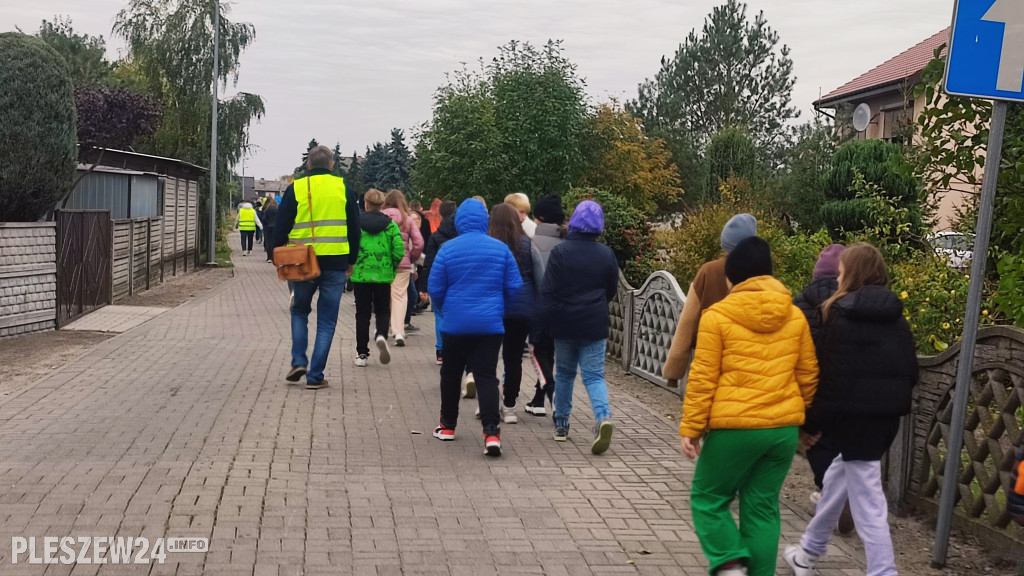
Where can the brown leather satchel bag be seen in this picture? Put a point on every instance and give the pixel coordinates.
(295, 262)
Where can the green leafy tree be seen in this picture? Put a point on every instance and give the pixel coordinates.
(733, 73)
(954, 141)
(85, 55)
(458, 152)
(517, 125)
(38, 150)
(170, 55)
(628, 163)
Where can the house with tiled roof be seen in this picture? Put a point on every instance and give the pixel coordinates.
(888, 90)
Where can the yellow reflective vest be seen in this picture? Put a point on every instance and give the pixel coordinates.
(247, 219)
(325, 226)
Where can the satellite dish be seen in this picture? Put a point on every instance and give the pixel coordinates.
(861, 117)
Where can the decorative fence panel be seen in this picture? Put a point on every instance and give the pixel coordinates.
(658, 304)
(621, 311)
(995, 417)
(28, 277)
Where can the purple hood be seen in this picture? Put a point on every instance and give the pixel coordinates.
(587, 218)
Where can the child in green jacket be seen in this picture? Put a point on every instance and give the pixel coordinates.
(380, 252)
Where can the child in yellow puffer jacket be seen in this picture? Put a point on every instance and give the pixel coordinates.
(753, 376)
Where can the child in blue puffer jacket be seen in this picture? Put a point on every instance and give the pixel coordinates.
(473, 279)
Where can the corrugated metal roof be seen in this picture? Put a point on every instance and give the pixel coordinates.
(906, 65)
(112, 170)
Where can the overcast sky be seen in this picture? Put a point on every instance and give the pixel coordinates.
(350, 71)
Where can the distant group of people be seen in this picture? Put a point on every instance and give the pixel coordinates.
(830, 371)
(256, 223)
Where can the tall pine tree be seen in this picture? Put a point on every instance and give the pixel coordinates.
(397, 164)
(301, 168)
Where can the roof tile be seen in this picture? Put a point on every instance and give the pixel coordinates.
(901, 67)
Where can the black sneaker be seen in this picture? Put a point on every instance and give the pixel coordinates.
(409, 328)
(439, 359)
(296, 373)
(561, 434)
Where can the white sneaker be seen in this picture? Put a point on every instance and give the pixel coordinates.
(799, 560)
(361, 360)
(382, 347)
(477, 412)
(741, 571)
(399, 340)
(468, 386)
(508, 415)
(536, 410)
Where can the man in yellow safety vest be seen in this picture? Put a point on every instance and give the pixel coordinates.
(317, 209)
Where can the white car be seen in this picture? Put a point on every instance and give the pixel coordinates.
(956, 248)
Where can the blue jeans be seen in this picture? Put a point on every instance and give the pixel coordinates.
(589, 356)
(331, 285)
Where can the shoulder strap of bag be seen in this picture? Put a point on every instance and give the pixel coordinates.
(309, 198)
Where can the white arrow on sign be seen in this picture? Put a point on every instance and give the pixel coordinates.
(1011, 61)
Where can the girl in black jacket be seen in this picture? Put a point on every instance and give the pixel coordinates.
(868, 365)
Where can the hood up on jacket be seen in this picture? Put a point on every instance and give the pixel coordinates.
(447, 228)
(245, 205)
(374, 222)
(760, 304)
(471, 217)
(819, 290)
(871, 304)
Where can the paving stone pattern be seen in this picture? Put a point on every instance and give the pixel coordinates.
(184, 426)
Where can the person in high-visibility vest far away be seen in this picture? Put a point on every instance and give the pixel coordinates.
(317, 210)
(247, 222)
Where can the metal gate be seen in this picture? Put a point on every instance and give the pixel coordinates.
(83, 262)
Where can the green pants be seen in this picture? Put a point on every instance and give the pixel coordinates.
(752, 464)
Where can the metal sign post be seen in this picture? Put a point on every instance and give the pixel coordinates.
(965, 366)
(985, 60)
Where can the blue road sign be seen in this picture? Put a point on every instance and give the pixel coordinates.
(986, 50)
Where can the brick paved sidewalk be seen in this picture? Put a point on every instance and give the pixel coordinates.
(184, 426)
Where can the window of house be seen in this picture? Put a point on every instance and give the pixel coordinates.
(898, 124)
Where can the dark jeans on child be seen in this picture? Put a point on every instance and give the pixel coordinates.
(480, 351)
(375, 299)
(544, 352)
(516, 331)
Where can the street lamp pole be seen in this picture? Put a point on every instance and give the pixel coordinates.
(212, 244)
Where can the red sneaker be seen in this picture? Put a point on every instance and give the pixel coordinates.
(492, 444)
(443, 432)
